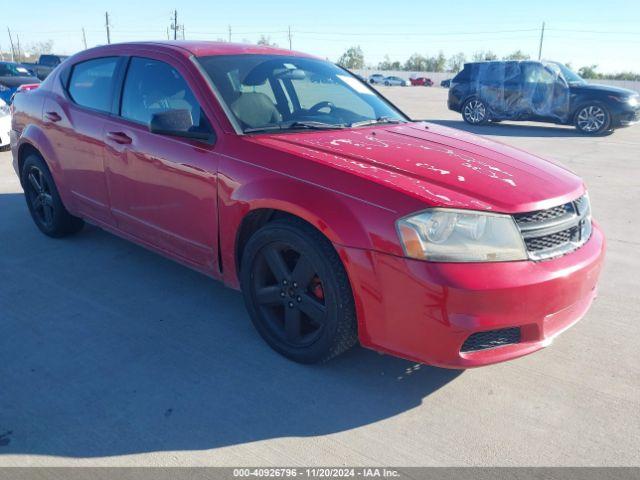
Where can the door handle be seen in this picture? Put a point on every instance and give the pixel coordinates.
(52, 116)
(119, 137)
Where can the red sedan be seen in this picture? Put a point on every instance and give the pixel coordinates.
(421, 82)
(339, 218)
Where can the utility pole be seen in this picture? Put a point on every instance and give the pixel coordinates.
(13, 52)
(84, 38)
(168, 37)
(175, 24)
(290, 42)
(541, 40)
(229, 33)
(106, 18)
(20, 57)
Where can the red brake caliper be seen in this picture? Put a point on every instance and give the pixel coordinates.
(316, 288)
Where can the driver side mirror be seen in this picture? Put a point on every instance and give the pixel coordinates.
(176, 123)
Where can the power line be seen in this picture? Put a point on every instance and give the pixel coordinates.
(466, 32)
(84, 38)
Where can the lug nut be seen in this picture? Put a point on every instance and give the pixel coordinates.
(290, 304)
(295, 284)
(299, 299)
(282, 294)
(284, 282)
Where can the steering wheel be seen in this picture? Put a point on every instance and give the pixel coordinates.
(320, 105)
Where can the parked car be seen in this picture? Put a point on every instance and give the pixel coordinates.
(421, 82)
(376, 79)
(12, 75)
(393, 81)
(45, 64)
(446, 83)
(5, 124)
(540, 91)
(338, 217)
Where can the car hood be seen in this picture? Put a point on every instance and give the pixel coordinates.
(14, 82)
(438, 165)
(591, 87)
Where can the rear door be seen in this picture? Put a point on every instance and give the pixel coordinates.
(490, 80)
(75, 126)
(163, 188)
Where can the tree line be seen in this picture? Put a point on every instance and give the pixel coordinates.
(353, 59)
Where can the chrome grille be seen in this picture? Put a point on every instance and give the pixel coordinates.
(555, 231)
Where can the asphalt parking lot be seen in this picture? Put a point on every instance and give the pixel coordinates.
(112, 355)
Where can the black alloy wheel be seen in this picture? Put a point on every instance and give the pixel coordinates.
(297, 292)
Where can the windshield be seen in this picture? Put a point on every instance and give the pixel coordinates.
(275, 92)
(13, 70)
(569, 75)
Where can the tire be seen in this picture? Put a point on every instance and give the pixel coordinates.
(297, 292)
(386, 84)
(592, 119)
(43, 200)
(475, 112)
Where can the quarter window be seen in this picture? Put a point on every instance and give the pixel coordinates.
(152, 87)
(91, 83)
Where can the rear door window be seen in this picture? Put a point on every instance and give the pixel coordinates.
(91, 83)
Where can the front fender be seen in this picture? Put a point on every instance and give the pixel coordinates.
(345, 220)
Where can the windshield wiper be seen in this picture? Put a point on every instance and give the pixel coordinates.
(301, 124)
(377, 121)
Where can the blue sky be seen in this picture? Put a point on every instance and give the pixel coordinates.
(581, 32)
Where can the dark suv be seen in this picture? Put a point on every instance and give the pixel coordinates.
(539, 91)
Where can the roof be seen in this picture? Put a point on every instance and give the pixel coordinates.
(204, 48)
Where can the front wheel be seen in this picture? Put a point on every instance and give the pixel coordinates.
(297, 292)
(475, 112)
(592, 119)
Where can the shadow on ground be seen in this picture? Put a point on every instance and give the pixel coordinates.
(108, 349)
(513, 129)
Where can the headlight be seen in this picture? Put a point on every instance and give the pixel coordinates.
(448, 235)
(633, 101)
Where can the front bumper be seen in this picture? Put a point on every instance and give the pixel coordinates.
(425, 311)
(627, 117)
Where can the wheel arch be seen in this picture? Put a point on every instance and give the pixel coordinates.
(336, 217)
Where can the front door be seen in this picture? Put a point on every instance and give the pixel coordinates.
(162, 188)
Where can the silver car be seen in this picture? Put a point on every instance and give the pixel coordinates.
(393, 81)
(376, 79)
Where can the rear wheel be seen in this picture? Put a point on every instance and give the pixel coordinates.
(475, 112)
(43, 200)
(297, 292)
(592, 119)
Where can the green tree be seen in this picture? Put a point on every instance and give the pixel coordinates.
(482, 55)
(387, 64)
(353, 58)
(416, 63)
(589, 72)
(456, 62)
(266, 40)
(517, 55)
